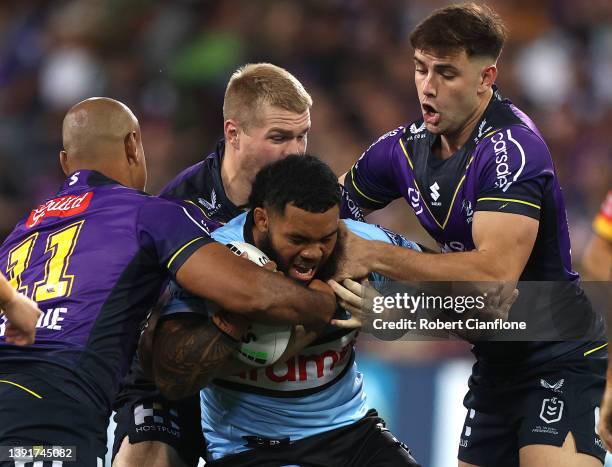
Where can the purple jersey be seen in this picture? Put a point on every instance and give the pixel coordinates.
(95, 257)
(201, 185)
(505, 166)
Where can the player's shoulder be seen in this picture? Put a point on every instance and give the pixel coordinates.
(388, 140)
(232, 230)
(379, 233)
(185, 178)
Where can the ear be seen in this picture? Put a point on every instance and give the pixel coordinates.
(63, 158)
(131, 148)
(231, 131)
(260, 218)
(487, 78)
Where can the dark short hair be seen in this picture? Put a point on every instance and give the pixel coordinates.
(302, 180)
(477, 29)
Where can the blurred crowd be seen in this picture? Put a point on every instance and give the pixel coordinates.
(170, 60)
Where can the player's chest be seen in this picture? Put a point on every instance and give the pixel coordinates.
(443, 197)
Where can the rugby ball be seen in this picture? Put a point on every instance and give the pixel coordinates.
(263, 344)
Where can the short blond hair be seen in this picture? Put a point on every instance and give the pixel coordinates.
(256, 84)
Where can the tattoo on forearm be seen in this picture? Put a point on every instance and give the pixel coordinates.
(188, 352)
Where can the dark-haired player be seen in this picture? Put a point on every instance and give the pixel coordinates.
(309, 408)
(481, 181)
(96, 256)
(266, 113)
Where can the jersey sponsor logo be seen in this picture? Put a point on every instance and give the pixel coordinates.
(502, 169)
(435, 194)
(415, 200)
(556, 387)
(552, 410)
(211, 206)
(414, 129)
(503, 176)
(64, 206)
(313, 367)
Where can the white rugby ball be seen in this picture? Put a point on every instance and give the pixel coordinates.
(263, 344)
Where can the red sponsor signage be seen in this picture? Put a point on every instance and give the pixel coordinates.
(65, 206)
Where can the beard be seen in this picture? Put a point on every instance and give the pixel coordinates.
(325, 271)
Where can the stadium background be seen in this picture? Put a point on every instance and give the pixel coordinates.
(170, 61)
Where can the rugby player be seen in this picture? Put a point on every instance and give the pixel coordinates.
(481, 181)
(96, 257)
(266, 113)
(20, 315)
(310, 408)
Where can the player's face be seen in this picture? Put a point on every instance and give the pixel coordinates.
(448, 89)
(302, 241)
(277, 134)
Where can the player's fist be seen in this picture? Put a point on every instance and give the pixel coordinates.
(22, 315)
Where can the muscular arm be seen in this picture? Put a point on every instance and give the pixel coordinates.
(189, 351)
(239, 286)
(503, 244)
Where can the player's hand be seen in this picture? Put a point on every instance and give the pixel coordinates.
(604, 427)
(352, 263)
(301, 337)
(22, 315)
(498, 303)
(329, 295)
(357, 299)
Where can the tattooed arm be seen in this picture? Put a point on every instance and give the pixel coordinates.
(187, 353)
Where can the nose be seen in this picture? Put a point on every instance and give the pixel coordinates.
(312, 253)
(428, 86)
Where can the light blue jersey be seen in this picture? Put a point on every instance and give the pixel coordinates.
(316, 391)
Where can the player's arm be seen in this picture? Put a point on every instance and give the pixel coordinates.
(503, 244)
(20, 312)
(241, 287)
(183, 353)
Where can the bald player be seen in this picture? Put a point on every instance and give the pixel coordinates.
(95, 256)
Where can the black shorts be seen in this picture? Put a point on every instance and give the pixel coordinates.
(34, 413)
(512, 408)
(148, 416)
(364, 443)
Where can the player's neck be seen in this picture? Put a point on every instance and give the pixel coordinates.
(450, 143)
(237, 187)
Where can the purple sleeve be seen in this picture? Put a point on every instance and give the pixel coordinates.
(170, 233)
(371, 181)
(515, 168)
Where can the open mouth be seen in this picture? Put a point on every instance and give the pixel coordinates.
(302, 272)
(430, 114)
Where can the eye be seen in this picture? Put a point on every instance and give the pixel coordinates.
(420, 71)
(277, 138)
